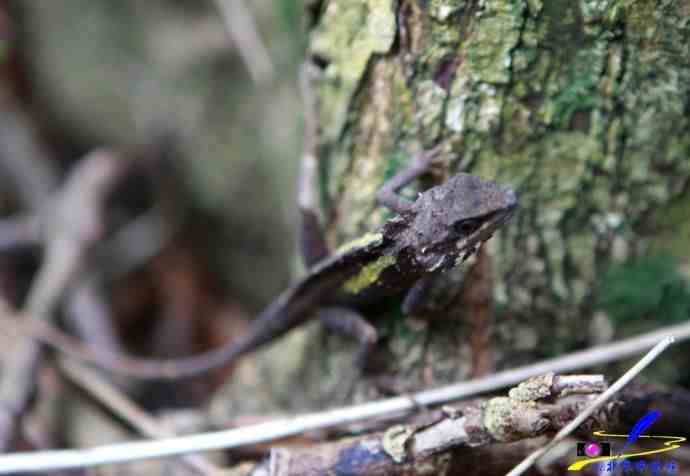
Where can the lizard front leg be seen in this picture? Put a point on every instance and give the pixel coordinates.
(346, 321)
(387, 195)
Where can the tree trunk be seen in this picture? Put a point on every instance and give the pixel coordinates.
(582, 106)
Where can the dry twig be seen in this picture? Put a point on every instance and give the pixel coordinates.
(594, 406)
(34, 176)
(521, 415)
(538, 405)
(242, 30)
(69, 228)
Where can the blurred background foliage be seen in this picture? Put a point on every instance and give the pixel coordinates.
(648, 288)
(131, 73)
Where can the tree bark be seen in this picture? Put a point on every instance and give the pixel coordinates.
(582, 106)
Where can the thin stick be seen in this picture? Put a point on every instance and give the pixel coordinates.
(242, 30)
(129, 411)
(72, 226)
(594, 406)
(265, 432)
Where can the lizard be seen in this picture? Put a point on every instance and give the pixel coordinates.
(445, 224)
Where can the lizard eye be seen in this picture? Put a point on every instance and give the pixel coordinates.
(467, 227)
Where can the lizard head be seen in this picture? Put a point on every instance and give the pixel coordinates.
(453, 219)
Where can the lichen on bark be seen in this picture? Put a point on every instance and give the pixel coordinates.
(579, 105)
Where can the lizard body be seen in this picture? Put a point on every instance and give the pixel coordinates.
(446, 223)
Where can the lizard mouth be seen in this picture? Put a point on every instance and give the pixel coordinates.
(471, 244)
(445, 255)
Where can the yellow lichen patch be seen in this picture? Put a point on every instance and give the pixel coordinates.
(368, 275)
(395, 441)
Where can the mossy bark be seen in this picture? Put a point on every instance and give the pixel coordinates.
(583, 106)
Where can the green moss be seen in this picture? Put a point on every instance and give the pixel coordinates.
(347, 36)
(395, 161)
(649, 287)
(535, 7)
(495, 37)
(580, 94)
(431, 99)
(673, 231)
(598, 11)
(401, 125)
(444, 9)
